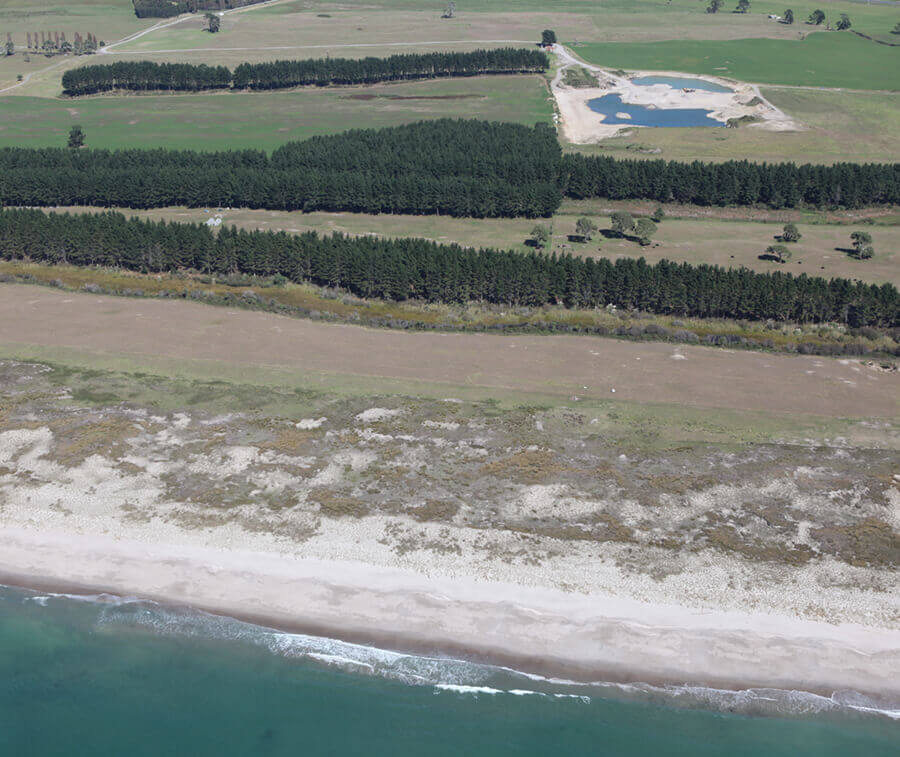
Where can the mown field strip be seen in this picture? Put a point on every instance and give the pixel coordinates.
(561, 366)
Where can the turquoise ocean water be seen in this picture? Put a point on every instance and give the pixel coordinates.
(108, 676)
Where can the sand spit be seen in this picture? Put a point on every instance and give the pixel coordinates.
(580, 125)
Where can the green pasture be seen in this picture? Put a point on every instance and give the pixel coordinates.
(265, 120)
(824, 59)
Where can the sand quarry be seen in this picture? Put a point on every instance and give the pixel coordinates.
(580, 125)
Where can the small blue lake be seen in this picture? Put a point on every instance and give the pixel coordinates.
(609, 105)
(678, 82)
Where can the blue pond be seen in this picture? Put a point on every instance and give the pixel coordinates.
(677, 82)
(641, 115)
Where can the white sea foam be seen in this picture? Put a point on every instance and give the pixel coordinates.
(461, 689)
(463, 677)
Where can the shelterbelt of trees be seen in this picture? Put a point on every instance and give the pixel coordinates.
(778, 185)
(145, 75)
(167, 8)
(401, 269)
(461, 167)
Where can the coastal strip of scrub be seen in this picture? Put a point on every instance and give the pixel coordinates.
(455, 167)
(169, 8)
(418, 269)
(145, 76)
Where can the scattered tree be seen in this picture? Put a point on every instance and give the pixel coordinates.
(548, 37)
(450, 11)
(816, 17)
(790, 233)
(844, 23)
(540, 235)
(622, 222)
(862, 241)
(10, 47)
(585, 228)
(76, 137)
(644, 229)
(212, 23)
(779, 251)
(714, 6)
(896, 29)
(788, 17)
(658, 214)
(743, 6)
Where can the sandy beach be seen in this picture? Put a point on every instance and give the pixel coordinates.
(582, 637)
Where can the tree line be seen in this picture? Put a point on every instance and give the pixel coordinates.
(462, 168)
(402, 269)
(168, 8)
(778, 185)
(147, 75)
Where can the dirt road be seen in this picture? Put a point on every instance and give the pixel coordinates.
(567, 366)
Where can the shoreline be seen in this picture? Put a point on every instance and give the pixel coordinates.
(581, 637)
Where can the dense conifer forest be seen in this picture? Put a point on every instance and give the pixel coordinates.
(460, 168)
(143, 76)
(401, 269)
(463, 168)
(167, 8)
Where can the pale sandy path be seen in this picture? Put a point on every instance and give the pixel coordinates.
(580, 366)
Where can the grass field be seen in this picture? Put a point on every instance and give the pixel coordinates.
(729, 243)
(839, 126)
(266, 120)
(837, 59)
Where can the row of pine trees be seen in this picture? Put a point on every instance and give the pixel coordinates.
(462, 167)
(168, 8)
(402, 269)
(142, 76)
(777, 185)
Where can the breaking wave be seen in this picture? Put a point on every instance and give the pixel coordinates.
(454, 677)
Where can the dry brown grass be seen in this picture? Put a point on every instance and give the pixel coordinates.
(526, 466)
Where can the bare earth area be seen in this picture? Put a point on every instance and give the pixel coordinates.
(539, 538)
(580, 125)
(562, 366)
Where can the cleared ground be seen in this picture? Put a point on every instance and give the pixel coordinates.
(266, 120)
(437, 364)
(824, 249)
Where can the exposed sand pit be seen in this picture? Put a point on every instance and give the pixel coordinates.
(581, 125)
